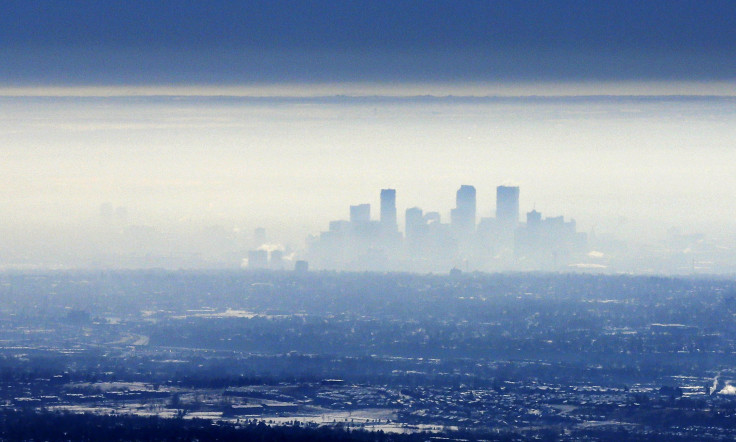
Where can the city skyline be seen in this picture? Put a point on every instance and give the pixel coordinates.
(512, 238)
(465, 241)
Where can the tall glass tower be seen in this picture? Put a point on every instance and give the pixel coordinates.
(388, 210)
(463, 215)
(507, 206)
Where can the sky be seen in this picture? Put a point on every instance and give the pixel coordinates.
(275, 41)
(283, 113)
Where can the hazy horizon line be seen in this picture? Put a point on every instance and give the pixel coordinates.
(335, 98)
(394, 90)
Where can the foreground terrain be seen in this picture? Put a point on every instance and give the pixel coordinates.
(368, 356)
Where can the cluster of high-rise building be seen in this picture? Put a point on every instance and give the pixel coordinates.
(429, 244)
